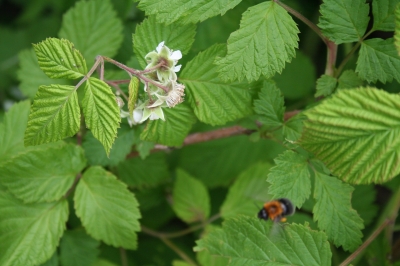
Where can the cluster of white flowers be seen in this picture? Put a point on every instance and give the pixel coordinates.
(164, 91)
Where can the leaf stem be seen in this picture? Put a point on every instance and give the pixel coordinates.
(178, 251)
(124, 259)
(304, 20)
(366, 243)
(99, 60)
(77, 178)
(114, 85)
(179, 233)
(137, 73)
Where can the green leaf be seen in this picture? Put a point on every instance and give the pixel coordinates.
(384, 14)
(349, 80)
(297, 80)
(59, 59)
(12, 130)
(186, 12)
(172, 131)
(102, 115)
(96, 154)
(133, 94)
(249, 191)
(292, 128)
(229, 155)
(355, 134)
(53, 261)
(248, 241)
(362, 200)
(334, 214)
(38, 175)
(270, 105)
(94, 28)
(139, 173)
(29, 233)
(108, 211)
(54, 115)
(191, 201)
(205, 258)
(144, 148)
(325, 86)
(30, 75)
(378, 60)
(397, 29)
(78, 249)
(213, 101)
(150, 33)
(267, 38)
(290, 178)
(344, 20)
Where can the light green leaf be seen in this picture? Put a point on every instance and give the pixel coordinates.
(180, 263)
(325, 86)
(378, 60)
(59, 59)
(172, 131)
(334, 214)
(355, 134)
(270, 105)
(267, 38)
(108, 211)
(383, 12)
(53, 261)
(29, 233)
(44, 174)
(213, 101)
(139, 173)
(78, 249)
(249, 191)
(290, 178)
(54, 115)
(344, 20)
(397, 29)
(94, 28)
(292, 128)
(349, 80)
(186, 12)
(101, 112)
(30, 75)
(248, 241)
(205, 258)
(150, 33)
(133, 94)
(362, 200)
(297, 80)
(96, 154)
(12, 130)
(191, 201)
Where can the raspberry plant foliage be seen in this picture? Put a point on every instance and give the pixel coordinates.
(171, 133)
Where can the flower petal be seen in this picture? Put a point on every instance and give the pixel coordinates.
(160, 45)
(176, 55)
(177, 68)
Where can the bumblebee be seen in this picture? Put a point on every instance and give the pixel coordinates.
(276, 210)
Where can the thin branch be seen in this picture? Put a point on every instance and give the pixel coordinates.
(150, 232)
(114, 85)
(366, 243)
(124, 259)
(99, 60)
(77, 178)
(304, 20)
(178, 251)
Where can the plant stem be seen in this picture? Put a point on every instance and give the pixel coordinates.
(366, 243)
(178, 251)
(124, 259)
(179, 233)
(135, 72)
(114, 85)
(304, 20)
(99, 60)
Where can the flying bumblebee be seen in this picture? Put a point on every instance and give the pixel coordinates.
(276, 210)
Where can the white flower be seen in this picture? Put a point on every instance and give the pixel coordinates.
(133, 119)
(169, 58)
(152, 113)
